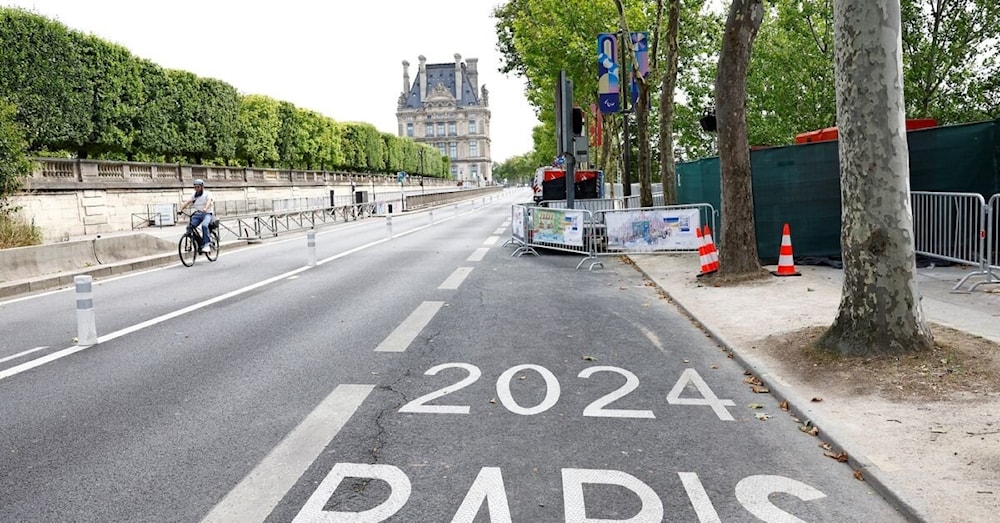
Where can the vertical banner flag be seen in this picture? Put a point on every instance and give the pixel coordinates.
(608, 73)
(596, 126)
(640, 41)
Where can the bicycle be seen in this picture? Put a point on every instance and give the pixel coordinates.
(189, 245)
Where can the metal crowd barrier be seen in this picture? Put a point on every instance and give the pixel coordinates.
(960, 228)
(609, 232)
(255, 227)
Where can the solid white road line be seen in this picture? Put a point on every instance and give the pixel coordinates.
(19, 354)
(261, 490)
(456, 278)
(478, 254)
(401, 338)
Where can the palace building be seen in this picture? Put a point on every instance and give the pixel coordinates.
(447, 109)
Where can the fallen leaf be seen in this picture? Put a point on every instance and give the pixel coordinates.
(840, 456)
(687, 361)
(522, 377)
(589, 358)
(752, 380)
(713, 366)
(825, 446)
(858, 475)
(760, 390)
(729, 355)
(816, 400)
(783, 405)
(494, 400)
(746, 372)
(763, 416)
(755, 406)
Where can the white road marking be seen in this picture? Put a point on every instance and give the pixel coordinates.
(13, 371)
(492, 240)
(478, 254)
(261, 490)
(500, 230)
(456, 278)
(19, 354)
(401, 338)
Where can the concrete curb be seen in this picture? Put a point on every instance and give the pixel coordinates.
(16, 288)
(798, 404)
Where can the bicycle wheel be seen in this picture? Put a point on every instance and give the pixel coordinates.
(187, 249)
(213, 254)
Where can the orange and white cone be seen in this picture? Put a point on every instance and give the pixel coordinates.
(713, 255)
(786, 264)
(703, 256)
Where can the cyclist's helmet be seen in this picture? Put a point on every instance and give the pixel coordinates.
(199, 181)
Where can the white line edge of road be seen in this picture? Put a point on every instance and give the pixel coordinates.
(255, 496)
(13, 371)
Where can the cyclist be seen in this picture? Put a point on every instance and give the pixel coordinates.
(203, 204)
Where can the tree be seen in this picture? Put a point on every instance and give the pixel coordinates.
(951, 52)
(738, 246)
(880, 309)
(668, 171)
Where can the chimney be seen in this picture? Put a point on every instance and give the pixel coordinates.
(473, 73)
(458, 76)
(406, 77)
(422, 75)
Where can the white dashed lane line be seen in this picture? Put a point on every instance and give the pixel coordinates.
(478, 254)
(456, 278)
(401, 338)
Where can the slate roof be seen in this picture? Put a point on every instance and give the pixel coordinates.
(442, 74)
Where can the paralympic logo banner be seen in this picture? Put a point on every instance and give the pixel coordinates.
(608, 73)
(653, 230)
(558, 226)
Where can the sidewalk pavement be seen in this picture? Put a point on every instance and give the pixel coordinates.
(935, 461)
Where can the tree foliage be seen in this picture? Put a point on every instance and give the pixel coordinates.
(14, 165)
(78, 94)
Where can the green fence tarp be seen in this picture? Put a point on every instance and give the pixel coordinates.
(800, 184)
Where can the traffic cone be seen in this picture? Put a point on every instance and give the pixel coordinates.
(703, 256)
(713, 255)
(786, 264)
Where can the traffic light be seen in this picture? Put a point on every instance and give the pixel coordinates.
(577, 121)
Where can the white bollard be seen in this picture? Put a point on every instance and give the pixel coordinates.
(388, 225)
(311, 248)
(430, 216)
(86, 325)
(456, 209)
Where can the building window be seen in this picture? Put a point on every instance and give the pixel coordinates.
(472, 127)
(440, 129)
(409, 129)
(429, 130)
(452, 129)
(453, 150)
(474, 170)
(473, 148)
(441, 148)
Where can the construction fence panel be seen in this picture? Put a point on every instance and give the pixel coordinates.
(648, 230)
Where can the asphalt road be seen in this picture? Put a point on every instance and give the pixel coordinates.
(428, 377)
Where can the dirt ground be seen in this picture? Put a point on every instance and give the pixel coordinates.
(960, 367)
(938, 412)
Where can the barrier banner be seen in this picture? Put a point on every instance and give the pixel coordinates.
(653, 230)
(561, 226)
(517, 222)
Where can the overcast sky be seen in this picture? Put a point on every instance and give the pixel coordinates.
(342, 58)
